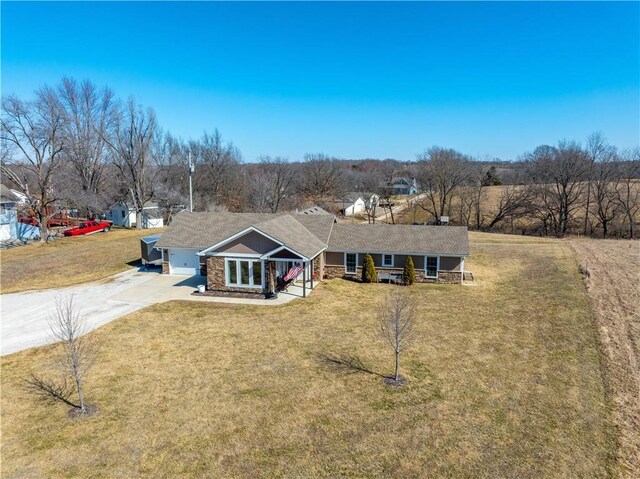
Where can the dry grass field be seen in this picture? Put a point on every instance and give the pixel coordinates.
(613, 283)
(68, 261)
(504, 381)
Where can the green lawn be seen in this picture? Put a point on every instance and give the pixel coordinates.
(504, 382)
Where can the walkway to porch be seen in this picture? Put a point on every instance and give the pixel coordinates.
(296, 289)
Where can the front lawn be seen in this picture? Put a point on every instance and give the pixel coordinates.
(71, 260)
(504, 382)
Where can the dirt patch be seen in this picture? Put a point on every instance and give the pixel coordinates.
(89, 411)
(611, 272)
(395, 383)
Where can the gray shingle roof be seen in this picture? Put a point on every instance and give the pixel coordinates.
(400, 239)
(314, 210)
(292, 233)
(319, 225)
(309, 234)
(305, 234)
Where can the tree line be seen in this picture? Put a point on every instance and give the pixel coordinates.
(555, 190)
(78, 146)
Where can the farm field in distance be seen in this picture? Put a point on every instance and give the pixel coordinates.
(504, 381)
(70, 260)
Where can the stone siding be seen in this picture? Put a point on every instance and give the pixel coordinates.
(318, 267)
(444, 277)
(165, 267)
(216, 280)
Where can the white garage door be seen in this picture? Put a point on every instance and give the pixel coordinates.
(184, 261)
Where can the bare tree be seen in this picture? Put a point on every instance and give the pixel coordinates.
(595, 146)
(627, 187)
(69, 328)
(171, 157)
(131, 140)
(271, 183)
(468, 202)
(87, 113)
(440, 172)
(602, 177)
(322, 177)
(396, 317)
(32, 137)
(558, 175)
(514, 202)
(217, 169)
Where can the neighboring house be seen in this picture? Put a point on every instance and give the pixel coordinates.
(350, 204)
(248, 253)
(21, 198)
(402, 186)
(124, 215)
(10, 228)
(354, 203)
(8, 215)
(371, 200)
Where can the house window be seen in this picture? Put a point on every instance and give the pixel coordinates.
(244, 273)
(257, 273)
(387, 260)
(232, 272)
(432, 267)
(351, 263)
(123, 213)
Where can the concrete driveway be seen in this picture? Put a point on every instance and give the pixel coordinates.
(24, 315)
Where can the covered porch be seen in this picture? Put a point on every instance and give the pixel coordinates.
(287, 272)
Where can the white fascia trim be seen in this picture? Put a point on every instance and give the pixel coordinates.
(283, 247)
(234, 255)
(236, 236)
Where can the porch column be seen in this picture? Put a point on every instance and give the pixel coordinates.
(304, 280)
(311, 275)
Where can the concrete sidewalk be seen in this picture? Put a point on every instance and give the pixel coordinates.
(24, 315)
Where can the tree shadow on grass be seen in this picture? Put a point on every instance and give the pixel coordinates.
(345, 363)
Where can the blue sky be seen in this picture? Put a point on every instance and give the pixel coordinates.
(353, 80)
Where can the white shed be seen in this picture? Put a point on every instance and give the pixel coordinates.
(124, 215)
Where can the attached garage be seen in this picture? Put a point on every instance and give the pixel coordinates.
(184, 261)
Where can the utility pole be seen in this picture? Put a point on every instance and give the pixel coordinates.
(192, 170)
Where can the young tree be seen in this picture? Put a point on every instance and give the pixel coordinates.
(409, 272)
(32, 137)
(397, 322)
(369, 274)
(131, 141)
(69, 328)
